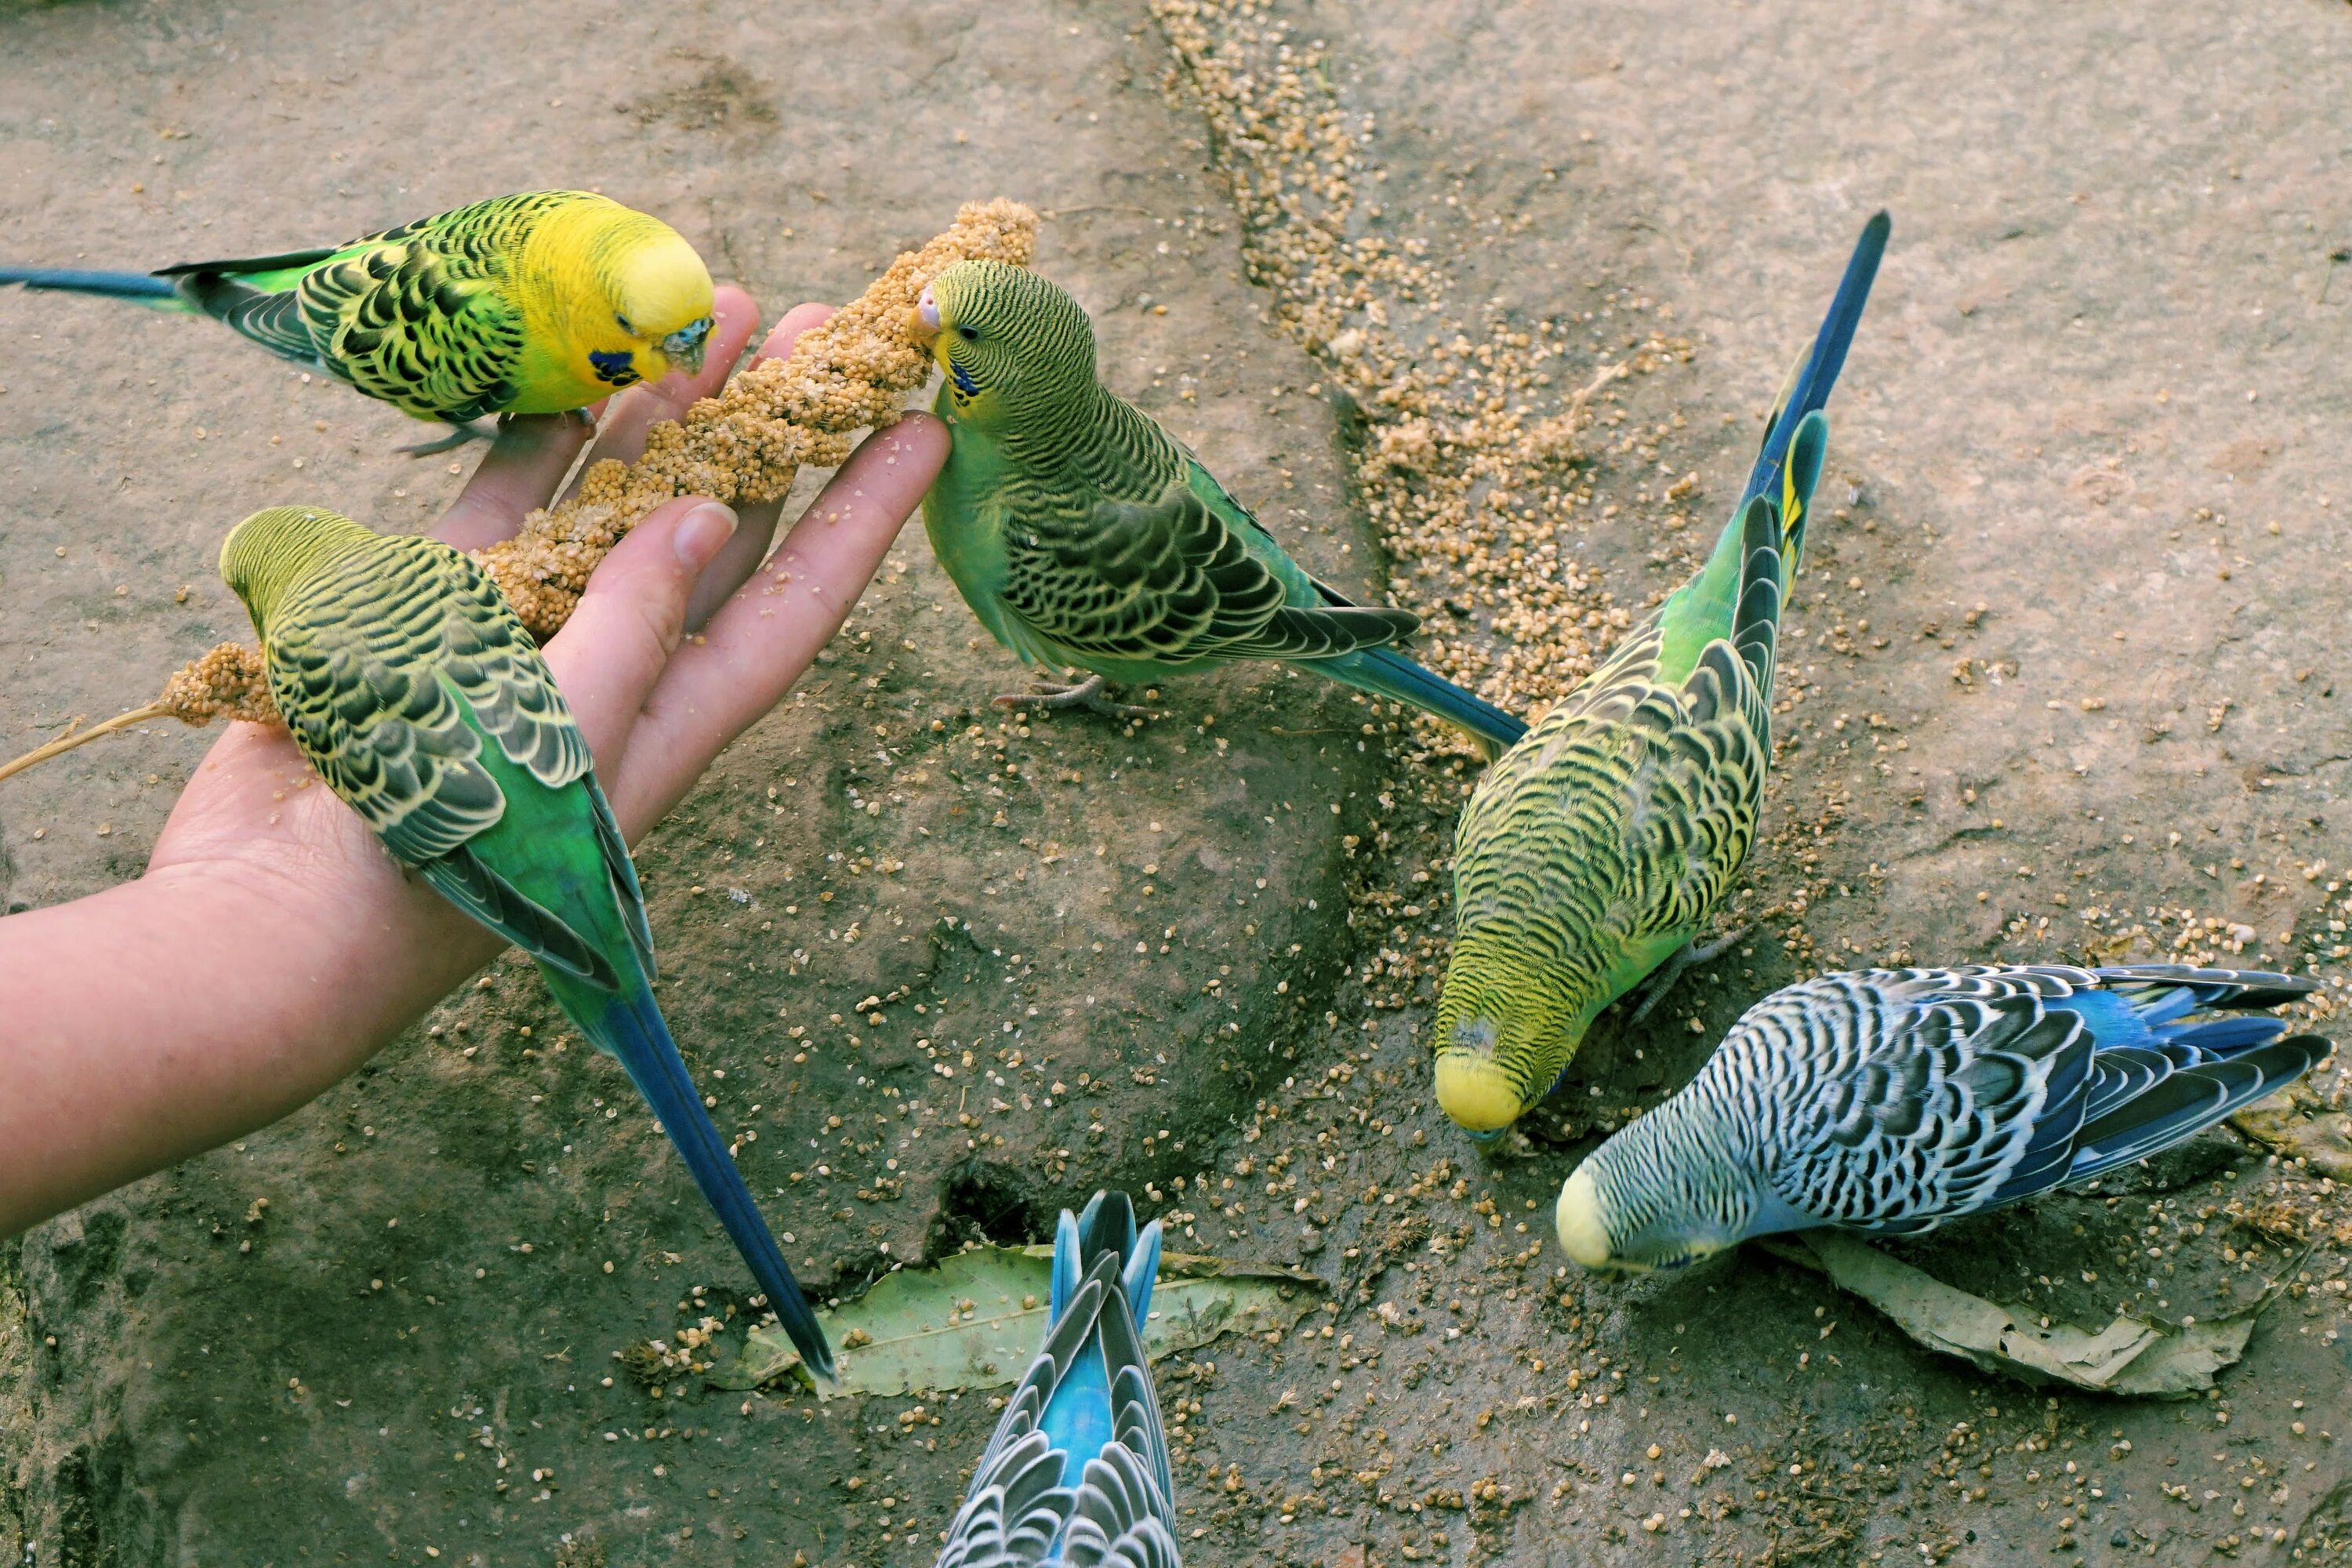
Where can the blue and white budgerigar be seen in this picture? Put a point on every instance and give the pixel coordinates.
(1892, 1101)
(1077, 1471)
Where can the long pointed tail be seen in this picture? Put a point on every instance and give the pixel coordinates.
(1103, 1401)
(2231, 1073)
(1809, 384)
(116, 285)
(1106, 1225)
(632, 1029)
(1390, 674)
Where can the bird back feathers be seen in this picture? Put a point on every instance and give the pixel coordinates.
(1077, 1468)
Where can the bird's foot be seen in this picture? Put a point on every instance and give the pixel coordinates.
(583, 417)
(458, 437)
(1688, 956)
(1086, 694)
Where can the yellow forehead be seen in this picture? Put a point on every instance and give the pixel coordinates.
(1475, 1091)
(659, 283)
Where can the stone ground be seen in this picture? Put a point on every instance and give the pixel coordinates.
(2068, 676)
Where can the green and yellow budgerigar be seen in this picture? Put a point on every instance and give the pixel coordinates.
(1085, 536)
(538, 303)
(413, 692)
(1595, 850)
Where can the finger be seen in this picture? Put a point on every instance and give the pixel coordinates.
(769, 631)
(609, 654)
(529, 459)
(621, 432)
(758, 528)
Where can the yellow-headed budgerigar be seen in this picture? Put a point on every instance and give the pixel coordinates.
(1594, 851)
(538, 303)
(1086, 537)
(417, 696)
(1077, 1472)
(1892, 1101)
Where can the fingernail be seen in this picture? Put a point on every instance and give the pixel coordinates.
(699, 538)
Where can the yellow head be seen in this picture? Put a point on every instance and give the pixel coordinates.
(1018, 353)
(637, 296)
(1503, 1037)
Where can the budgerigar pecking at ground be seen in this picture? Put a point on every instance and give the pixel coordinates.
(1594, 851)
(1892, 1101)
(1086, 537)
(413, 692)
(1077, 1472)
(538, 303)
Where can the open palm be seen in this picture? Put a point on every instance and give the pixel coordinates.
(273, 945)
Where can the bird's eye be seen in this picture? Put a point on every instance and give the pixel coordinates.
(969, 334)
(624, 322)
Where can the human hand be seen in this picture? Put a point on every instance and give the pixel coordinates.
(273, 945)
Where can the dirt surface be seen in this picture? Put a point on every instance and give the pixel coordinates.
(2081, 590)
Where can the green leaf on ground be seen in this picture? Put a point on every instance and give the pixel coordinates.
(977, 1318)
(2131, 1355)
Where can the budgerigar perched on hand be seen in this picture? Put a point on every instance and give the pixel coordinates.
(538, 303)
(1085, 536)
(1892, 1101)
(417, 696)
(1595, 850)
(1077, 1472)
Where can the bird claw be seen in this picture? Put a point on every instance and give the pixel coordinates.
(458, 437)
(1688, 956)
(1086, 694)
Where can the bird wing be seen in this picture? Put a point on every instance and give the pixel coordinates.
(1916, 1096)
(410, 687)
(1016, 1509)
(2174, 1067)
(258, 297)
(420, 316)
(1302, 586)
(1620, 821)
(1167, 581)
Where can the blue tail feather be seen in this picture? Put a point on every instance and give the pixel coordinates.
(119, 285)
(2190, 1101)
(1066, 1277)
(1142, 1273)
(2224, 1035)
(1390, 674)
(633, 1030)
(1079, 1417)
(1809, 387)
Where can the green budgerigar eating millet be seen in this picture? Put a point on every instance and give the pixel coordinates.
(1086, 537)
(412, 689)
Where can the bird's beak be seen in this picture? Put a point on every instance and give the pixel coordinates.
(686, 346)
(923, 326)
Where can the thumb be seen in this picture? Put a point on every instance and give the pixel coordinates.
(610, 653)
